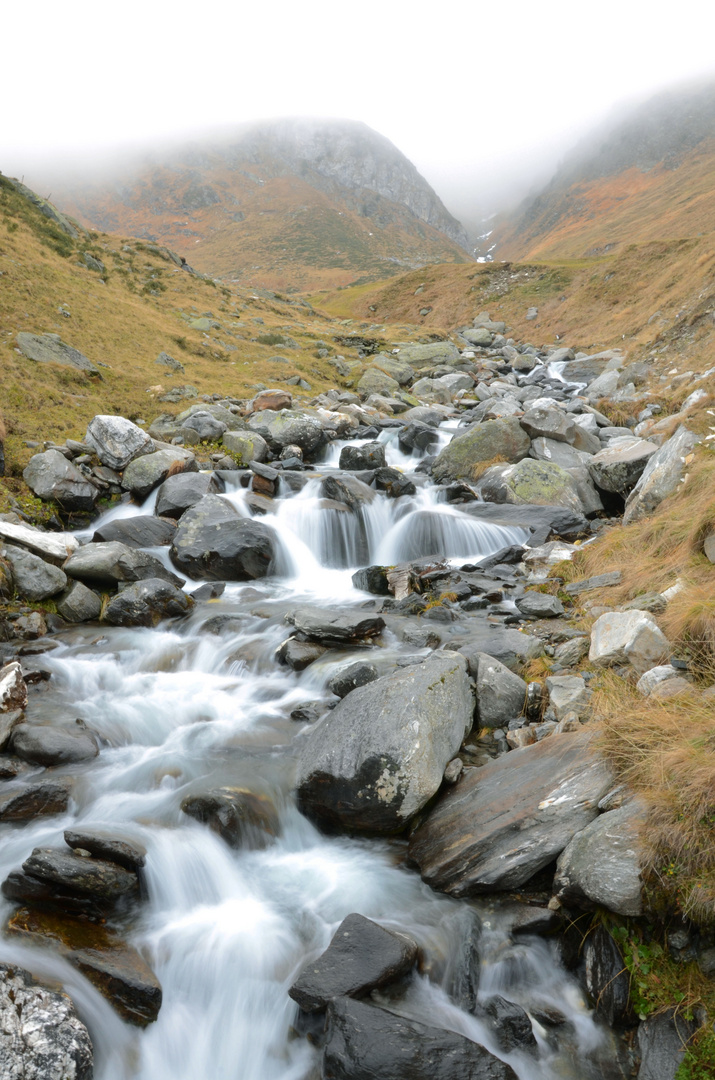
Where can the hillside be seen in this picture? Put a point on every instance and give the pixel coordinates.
(289, 205)
(646, 179)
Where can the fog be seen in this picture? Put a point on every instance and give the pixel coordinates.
(485, 99)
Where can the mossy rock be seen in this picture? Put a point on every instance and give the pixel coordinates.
(503, 440)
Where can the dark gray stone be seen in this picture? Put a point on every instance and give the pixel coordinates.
(140, 531)
(212, 542)
(55, 479)
(146, 603)
(662, 1040)
(334, 630)
(370, 455)
(372, 579)
(540, 605)
(206, 426)
(35, 800)
(601, 866)
(501, 695)
(241, 817)
(78, 604)
(509, 1024)
(606, 977)
(43, 745)
(50, 349)
(298, 655)
(179, 492)
(347, 680)
(103, 845)
(145, 473)
(110, 562)
(34, 578)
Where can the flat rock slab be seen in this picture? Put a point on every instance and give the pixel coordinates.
(502, 823)
(366, 1043)
(50, 349)
(35, 800)
(333, 629)
(110, 562)
(599, 581)
(97, 878)
(361, 957)
(52, 547)
(380, 754)
(104, 845)
(138, 532)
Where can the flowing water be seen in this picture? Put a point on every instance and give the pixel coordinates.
(180, 708)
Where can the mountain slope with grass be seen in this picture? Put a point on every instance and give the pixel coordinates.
(292, 204)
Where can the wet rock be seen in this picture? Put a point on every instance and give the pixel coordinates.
(380, 755)
(241, 817)
(662, 474)
(117, 441)
(538, 605)
(500, 693)
(606, 977)
(146, 603)
(347, 680)
(145, 473)
(663, 1040)
(298, 655)
(362, 956)
(214, 543)
(51, 547)
(418, 436)
(622, 637)
(78, 604)
(370, 455)
(348, 490)
(41, 1036)
(8, 722)
(98, 879)
(103, 845)
(179, 492)
(509, 1024)
(13, 691)
(531, 481)
(30, 627)
(116, 969)
(600, 867)
(55, 479)
(365, 1042)
(503, 440)
(109, 562)
(618, 467)
(527, 805)
(34, 578)
(42, 745)
(35, 800)
(334, 630)
(140, 531)
(394, 483)
(567, 693)
(246, 446)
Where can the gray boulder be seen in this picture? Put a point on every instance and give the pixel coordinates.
(219, 412)
(396, 369)
(145, 473)
(50, 349)
(618, 467)
(418, 436)
(377, 381)
(42, 745)
(13, 689)
(78, 603)
(503, 439)
(349, 678)
(370, 455)
(183, 490)
(623, 637)
(241, 817)
(168, 361)
(558, 453)
(601, 866)
(34, 578)
(43, 799)
(103, 845)
(288, 428)
(246, 445)
(420, 355)
(538, 605)
(206, 426)
(116, 440)
(55, 479)
(528, 805)
(41, 1036)
(110, 562)
(213, 543)
(547, 422)
(380, 755)
(501, 694)
(479, 336)
(146, 603)
(140, 531)
(569, 693)
(606, 977)
(662, 474)
(533, 482)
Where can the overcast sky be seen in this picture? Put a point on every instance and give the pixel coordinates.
(478, 94)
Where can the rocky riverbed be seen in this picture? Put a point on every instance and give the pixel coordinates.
(279, 797)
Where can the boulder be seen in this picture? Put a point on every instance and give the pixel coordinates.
(55, 479)
(349, 678)
(271, 399)
(537, 605)
(143, 530)
(376, 381)
(362, 956)
(501, 694)
(348, 490)
(212, 542)
(246, 445)
(418, 436)
(219, 412)
(568, 693)
(370, 455)
(50, 349)
(145, 473)
(394, 483)
(78, 604)
(41, 1036)
(13, 691)
(51, 547)
(35, 800)
(662, 1041)
(396, 369)
(179, 492)
(558, 453)
(101, 881)
(43, 745)
(628, 637)
(298, 655)
(618, 467)
(531, 481)
(34, 578)
(661, 476)
(500, 824)
(372, 579)
(547, 422)
(509, 1024)
(109, 562)
(146, 603)
(241, 817)
(503, 440)
(380, 755)
(655, 677)
(335, 630)
(206, 426)
(116, 441)
(441, 352)
(479, 336)
(288, 428)
(510, 647)
(365, 1042)
(601, 866)
(432, 390)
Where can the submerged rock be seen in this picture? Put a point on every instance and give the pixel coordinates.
(241, 817)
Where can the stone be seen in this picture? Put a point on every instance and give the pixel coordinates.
(288, 428)
(179, 393)
(539, 605)
(623, 637)
(374, 761)
(335, 630)
(35, 800)
(655, 677)
(116, 441)
(365, 1042)
(347, 489)
(50, 349)
(370, 455)
(601, 866)
(372, 579)
(396, 369)
(109, 562)
(168, 361)
(8, 723)
(533, 482)
(619, 465)
(271, 399)
(606, 977)
(500, 824)
(103, 882)
(53, 478)
(349, 678)
(34, 578)
(479, 336)
(503, 440)
(232, 420)
(31, 626)
(419, 355)
(544, 421)
(558, 453)
(417, 436)
(376, 381)
(41, 1036)
(247, 446)
(598, 581)
(394, 483)
(362, 956)
(179, 492)
(242, 818)
(662, 1041)
(508, 1023)
(206, 426)
(662, 475)
(568, 693)
(500, 693)
(213, 543)
(146, 603)
(13, 691)
(51, 547)
(511, 647)
(44, 745)
(78, 604)
(709, 547)
(298, 655)
(109, 846)
(140, 531)
(144, 473)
